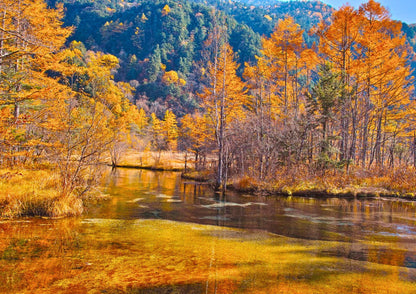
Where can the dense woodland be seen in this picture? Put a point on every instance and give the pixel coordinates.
(292, 86)
(149, 42)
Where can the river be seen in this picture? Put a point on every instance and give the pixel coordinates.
(158, 233)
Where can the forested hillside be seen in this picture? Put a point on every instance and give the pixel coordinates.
(155, 39)
(410, 32)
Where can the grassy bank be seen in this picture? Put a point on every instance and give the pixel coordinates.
(399, 182)
(165, 160)
(34, 192)
(200, 176)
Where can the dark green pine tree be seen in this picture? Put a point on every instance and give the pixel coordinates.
(154, 65)
(324, 100)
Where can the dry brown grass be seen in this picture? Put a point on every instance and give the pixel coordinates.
(400, 182)
(25, 192)
(199, 175)
(165, 160)
(246, 184)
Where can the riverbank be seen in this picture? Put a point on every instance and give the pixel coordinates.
(34, 192)
(162, 161)
(295, 181)
(398, 183)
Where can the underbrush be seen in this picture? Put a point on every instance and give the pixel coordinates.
(30, 192)
(398, 182)
(201, 176)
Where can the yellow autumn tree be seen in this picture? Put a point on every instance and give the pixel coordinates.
(143, 18)
(69, 118)
(277, 96)
(94, 116)
(282, 53)
(165, 10)
(386, 84)
(368, 51)
(195, 135)
(170, 130)
(223, 100)
(170, 77)
(30, 35)
(164, 132)
(157, 139)
(141, 120)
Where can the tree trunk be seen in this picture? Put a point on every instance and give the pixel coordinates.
(377, 145)
(365, 125)
(221, 137)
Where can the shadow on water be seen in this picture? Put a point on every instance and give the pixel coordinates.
(383, 255)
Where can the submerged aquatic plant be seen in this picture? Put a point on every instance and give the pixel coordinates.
(154, 256)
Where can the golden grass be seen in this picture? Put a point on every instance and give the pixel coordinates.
(32, 192)
(115, 256)
(398, 182)
(202, 175)
(165, 160)
(246, 184)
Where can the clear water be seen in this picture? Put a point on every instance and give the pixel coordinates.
(139, 194)
(158, 233)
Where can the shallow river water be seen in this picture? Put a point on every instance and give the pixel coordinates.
(158, 233)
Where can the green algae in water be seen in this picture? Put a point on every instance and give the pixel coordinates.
(157, 256)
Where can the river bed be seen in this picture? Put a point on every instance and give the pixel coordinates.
(158, 233)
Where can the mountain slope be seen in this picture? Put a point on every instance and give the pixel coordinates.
(152, 38)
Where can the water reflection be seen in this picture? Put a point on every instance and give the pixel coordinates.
(163, 195)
